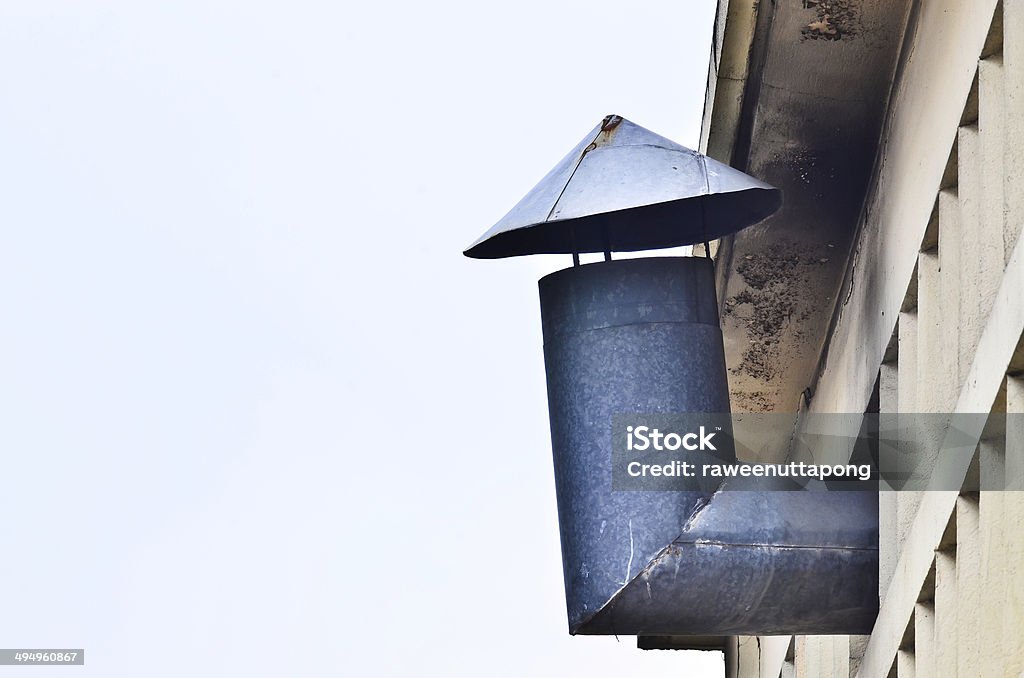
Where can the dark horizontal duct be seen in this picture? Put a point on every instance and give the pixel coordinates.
(641, 336)
(756, 563)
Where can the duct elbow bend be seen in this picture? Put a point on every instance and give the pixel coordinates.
(643, 336)
(754, 563)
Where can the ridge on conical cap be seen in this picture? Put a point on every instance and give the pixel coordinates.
(624, 189)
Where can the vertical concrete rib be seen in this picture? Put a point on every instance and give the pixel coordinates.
(931, 391)
(907, 502)
(906, 664)
(808, 656)
(1011, 553)
(991, 143)
(924, 638)
(826, 653)
(946, 636)
(993, 572)
(840, 657)
(888, 544)
(969, 191)
(969, 585)
(950, 243)
(1013, 95)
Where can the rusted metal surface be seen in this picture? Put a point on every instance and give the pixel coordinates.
(624, 188)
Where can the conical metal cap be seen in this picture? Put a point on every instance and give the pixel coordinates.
(624, 189)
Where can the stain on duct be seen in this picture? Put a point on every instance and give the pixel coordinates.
(833, 20)
(772, 305)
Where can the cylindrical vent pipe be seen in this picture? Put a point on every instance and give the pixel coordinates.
(629, 336)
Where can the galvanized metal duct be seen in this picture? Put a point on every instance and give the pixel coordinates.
(756, 563)
(642, 336)
(630, 336)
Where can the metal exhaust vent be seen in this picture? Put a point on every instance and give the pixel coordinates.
(642, 336)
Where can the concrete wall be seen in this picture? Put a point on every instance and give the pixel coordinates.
(933, 309)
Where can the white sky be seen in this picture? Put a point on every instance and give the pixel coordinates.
(260, 417)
